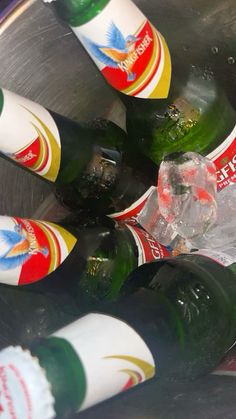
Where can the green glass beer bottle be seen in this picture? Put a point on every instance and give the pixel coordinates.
(183, 111)
(81, 263)
(87, 164)
(176, 318)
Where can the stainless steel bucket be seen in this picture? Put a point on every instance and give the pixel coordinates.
(41, 59)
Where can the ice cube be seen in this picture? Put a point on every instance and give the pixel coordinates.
(223, 232)
(153, 222)
(187, 193)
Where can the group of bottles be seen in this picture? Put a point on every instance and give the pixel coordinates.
(176, 316)
(174, 319)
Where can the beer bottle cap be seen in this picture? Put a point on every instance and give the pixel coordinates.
(24, 389)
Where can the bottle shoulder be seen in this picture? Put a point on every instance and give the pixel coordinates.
(64, 370)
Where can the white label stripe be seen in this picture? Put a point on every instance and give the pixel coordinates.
(134, 205)
(223, 146)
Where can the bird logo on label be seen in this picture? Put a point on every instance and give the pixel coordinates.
(16, 248)
(117, 51)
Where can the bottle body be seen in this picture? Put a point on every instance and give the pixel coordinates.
(176, 318)
(28, 315)
(117, 253)
(90, 262)
(187, 111)
(88, 165)
(198, 117)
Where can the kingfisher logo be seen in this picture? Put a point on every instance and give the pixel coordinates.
(28, 157)
(119, 52)
(134, 55)
(137, 64)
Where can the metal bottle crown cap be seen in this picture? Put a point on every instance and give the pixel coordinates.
(24, 388)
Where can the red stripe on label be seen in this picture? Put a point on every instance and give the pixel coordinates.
(149, 248)
(129, 215)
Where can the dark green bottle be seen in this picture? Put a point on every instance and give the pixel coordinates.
(27, 315)
(175, 318)
(183, 111)
(83, 264)
(198, 292)
(88, 165)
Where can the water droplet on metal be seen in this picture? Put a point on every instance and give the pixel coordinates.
(214, 50)
(208, 74)
(231, 60)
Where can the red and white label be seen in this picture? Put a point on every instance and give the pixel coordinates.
(130, 214)
(148, 248)
(131, 54)
(109, 349)
(29, 135)
(30, 249)
(224, 158)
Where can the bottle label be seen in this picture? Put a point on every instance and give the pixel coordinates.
(224, 158)
(114, 357)
(131, 213)
(131, 54)
(29, 135)
(226, 258)
(31, 249)
(148, 248)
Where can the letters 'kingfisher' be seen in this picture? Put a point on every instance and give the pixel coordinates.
(117, 50)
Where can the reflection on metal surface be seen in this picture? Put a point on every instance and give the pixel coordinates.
(12, 12)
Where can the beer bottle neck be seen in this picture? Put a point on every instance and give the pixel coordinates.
(77, 12)
(64, 372)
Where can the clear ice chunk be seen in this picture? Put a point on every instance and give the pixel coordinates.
(187, 193)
